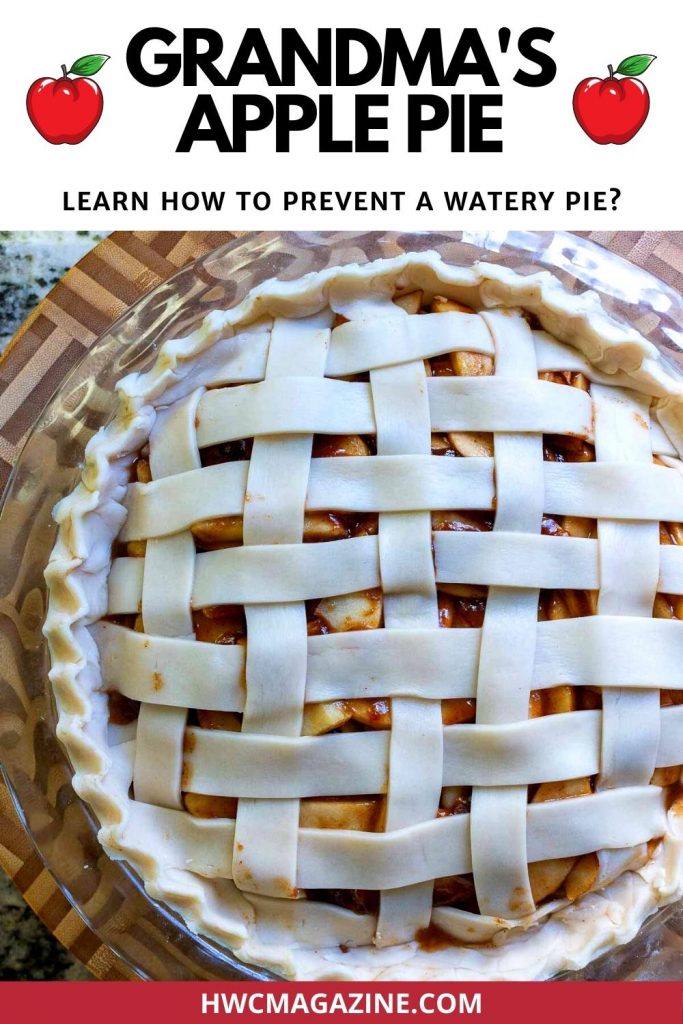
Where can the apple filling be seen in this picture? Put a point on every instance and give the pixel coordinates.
(460, 606)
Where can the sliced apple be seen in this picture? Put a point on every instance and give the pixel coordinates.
(569, 604)
(440, 304)
(136, 548)
(439, 366)
(322, 526)
(471, 364)
(546, 876)
(222, 531)
(675, 531)
(535, 704)
(663, 608)
(576, 380)
(462, 590)
(224, 611)
(563, 790)
(329, 446)
(472, 444)
(580, 603)
(447, 610)
(200, 805)
(460, 612)
(666, 776)
(554, 376)
(220, 624)
(324, 717)
(359, 814)
(374, 714)
(226, 721)
(362, 610)
(411, 301)
(559, 699)
(566, 448)
(579, 526)
(364, 525)
(583, 876)
(461, 522)
(579, 380)
(441, 445)
(456, 710)
(142, 471)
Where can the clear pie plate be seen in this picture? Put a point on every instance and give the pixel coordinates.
(149, 938)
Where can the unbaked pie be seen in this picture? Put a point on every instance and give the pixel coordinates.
(365, 623)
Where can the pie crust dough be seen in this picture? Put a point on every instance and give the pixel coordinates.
(278, 348)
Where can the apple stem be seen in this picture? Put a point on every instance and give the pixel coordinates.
(611, 70)
(64, 71)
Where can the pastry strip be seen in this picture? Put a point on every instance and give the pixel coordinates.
(629, 572)
(165, 606)
(498, 815)
(406, 483)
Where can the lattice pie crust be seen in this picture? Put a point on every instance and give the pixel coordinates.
(408, 665)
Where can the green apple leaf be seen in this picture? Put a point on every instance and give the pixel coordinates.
(89, 65)
(636, 64)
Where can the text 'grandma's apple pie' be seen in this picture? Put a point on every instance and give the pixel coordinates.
(365, 623)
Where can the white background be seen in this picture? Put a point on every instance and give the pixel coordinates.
(133, 147)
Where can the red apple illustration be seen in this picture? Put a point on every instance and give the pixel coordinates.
(67, 109)
(614, 109)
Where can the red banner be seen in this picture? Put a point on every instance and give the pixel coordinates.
(190, 1002)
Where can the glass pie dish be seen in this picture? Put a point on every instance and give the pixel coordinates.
(146, 935)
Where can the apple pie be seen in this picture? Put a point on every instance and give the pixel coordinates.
(366, 625)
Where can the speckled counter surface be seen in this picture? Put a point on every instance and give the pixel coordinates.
(27, 950)
(30, 264)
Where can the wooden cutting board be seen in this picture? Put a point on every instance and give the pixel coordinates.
(88, 299)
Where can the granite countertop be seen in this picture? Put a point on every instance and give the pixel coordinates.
(30, 264)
